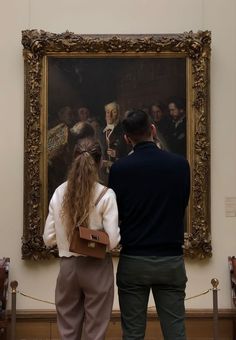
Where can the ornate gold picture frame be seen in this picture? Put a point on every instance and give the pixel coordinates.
(70, 70)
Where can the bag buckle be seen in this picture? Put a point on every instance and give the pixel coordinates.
(94, 237)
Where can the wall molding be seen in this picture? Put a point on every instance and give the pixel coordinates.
(42, 325)
(45, 314)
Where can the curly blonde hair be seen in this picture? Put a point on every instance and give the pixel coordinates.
(80, 184)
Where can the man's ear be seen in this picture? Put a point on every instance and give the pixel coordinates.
(153, 131)
(127, 139)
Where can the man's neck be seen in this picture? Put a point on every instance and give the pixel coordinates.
(143, 141)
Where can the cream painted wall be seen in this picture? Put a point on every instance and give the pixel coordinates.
(133, 16)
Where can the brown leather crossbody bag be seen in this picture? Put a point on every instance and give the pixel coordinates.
(85, 241)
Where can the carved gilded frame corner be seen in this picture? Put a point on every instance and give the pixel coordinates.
(194, 47)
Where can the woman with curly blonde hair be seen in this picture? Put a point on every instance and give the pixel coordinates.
(85, 285)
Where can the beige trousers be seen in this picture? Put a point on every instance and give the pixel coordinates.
(84, 297)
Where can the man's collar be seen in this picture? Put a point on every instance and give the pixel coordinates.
(109, 127)
(144, 144)
(179, 121)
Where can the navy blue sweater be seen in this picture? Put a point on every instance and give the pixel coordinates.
(152, 188)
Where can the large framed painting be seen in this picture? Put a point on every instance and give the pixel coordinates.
(79, 86)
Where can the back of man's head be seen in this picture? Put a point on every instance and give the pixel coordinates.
(137, 125)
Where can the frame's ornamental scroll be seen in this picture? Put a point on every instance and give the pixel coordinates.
(71, 71)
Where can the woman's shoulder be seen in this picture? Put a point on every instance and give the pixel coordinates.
(60, 190)
(61, 187)
(99, 188)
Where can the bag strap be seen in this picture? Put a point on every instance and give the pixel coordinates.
(104, 190)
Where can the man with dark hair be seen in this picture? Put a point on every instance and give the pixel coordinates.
(162, 123)
(177, 139)
(152, 189)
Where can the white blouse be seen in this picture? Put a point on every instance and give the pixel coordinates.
(103, 215)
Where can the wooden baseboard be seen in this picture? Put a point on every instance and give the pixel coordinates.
(41, 325)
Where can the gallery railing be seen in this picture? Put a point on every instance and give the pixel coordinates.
(214, 289)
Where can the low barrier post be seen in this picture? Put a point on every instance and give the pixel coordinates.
(215, 284)
(13, 285)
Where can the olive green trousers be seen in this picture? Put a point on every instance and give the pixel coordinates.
(166, 278)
